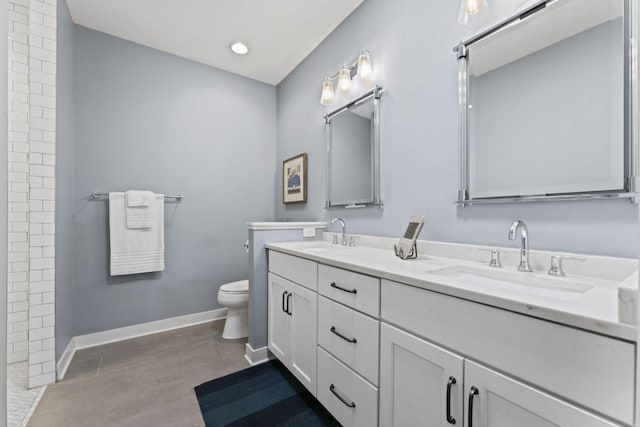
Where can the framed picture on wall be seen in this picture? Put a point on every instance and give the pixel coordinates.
(294, 177)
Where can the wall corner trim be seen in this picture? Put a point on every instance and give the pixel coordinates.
(257, 356)
(65, 359)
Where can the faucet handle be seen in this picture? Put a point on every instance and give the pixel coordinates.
(495, 257)
(556, 264)
(335, 239)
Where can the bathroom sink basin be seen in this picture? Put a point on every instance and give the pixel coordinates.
(511, 280)
(326, 248)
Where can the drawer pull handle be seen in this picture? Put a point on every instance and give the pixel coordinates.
(450, 383)
(351, 291)
(351, 340)
(332, 388)
(474, 391)
(288, 307)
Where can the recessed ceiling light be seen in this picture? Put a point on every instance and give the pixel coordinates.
(239, 48)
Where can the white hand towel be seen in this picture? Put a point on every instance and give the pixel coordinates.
(138, 209)
(139, 198)
(137, 250)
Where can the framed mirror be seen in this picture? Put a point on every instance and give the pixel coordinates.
(352, 136)
(545, 105)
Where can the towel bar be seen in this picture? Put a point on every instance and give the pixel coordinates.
(101, 194)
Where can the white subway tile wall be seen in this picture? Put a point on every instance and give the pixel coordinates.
(32, 127)
(42, 137)
(18, 250)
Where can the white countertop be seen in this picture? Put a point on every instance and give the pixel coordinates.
(284, 225)
(595, 310)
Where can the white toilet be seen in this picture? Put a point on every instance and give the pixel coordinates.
(235, 296)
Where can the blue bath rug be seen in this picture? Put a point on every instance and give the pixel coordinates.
(267, 395)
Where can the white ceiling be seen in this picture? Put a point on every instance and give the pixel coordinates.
(279, 33)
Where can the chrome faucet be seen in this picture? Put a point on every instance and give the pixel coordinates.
(524, 251)
(344, 231)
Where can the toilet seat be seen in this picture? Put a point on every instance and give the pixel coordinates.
(239, 287)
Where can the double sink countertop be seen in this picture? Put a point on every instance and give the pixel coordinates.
(589, 302)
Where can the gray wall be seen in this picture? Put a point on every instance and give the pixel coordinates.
(149, 120)
(411, 44)
(64, 180)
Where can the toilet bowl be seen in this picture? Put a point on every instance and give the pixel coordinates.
(235, 296)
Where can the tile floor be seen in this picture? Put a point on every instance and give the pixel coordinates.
(142, 382)
(20, 400)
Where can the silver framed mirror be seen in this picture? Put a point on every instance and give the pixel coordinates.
(547, 100)
(352, 138)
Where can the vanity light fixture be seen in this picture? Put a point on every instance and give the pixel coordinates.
(365, 72)
(471, 11)
(360, 68)
(328, 95)
(239, 48)
(344, 81)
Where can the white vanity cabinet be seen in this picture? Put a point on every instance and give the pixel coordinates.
(420, 383)
(590, 370)
(379, 352)
(348, 345)
(495, 400)
(423, 384)
(292, 329)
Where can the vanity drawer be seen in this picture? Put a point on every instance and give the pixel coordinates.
(349, 398)
(298, 270)
(361, 355)
(590, 369)
(355, 290)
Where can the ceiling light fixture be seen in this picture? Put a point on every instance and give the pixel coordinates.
(359, 68)
(471, 11)
(239, 48)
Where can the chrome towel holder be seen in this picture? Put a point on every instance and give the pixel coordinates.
(104, 195)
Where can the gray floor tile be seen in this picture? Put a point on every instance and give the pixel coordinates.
(145, 381)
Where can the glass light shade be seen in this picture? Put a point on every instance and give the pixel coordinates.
(471, 11)
(344, 80)
(328, 95)
(365, 72)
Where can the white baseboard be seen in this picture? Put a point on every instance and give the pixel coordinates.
(142, 329)
(81, 342)
(257, 356)
(65, 359)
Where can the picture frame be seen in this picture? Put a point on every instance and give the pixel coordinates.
(294, 179)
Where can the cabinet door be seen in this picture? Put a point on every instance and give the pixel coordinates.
(278, 318)
(415, 379)
(499, 401)
(303, 306)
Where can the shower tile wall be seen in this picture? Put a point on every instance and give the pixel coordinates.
(32, 102)
(18, 250)
(42, 152)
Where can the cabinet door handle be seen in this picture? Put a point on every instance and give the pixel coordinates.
(474, 391)
(351, 291)
(450, 383)
(288, 308)
(332, 388)
(351, 340)
(284, 296)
